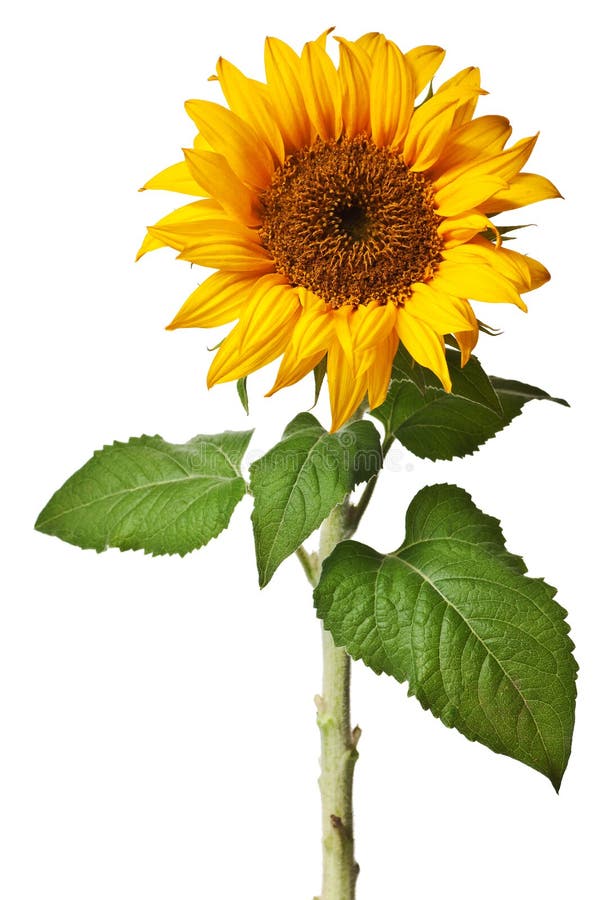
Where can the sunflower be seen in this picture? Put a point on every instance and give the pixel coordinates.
(343, 217)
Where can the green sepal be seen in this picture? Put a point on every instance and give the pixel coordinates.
(150, 495)
(319, 372)
(242, 391)
(483, 646)
(504, 231)
(301, 479)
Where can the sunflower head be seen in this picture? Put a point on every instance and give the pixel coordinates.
(343, 216)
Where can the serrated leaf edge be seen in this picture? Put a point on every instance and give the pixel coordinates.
(40, 524)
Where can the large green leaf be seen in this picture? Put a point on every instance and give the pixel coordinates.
(483, 646)
(435, 425)
(149, 495)
(301, 479)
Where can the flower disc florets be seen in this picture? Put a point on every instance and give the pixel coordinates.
(351, 222)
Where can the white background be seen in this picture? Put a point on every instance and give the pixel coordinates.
(158, 727)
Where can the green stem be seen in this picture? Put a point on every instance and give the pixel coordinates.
(357, 512)
(338, 745)
(338, 739)
(310, 563)
(338, 758)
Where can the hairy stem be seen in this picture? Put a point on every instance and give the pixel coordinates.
(338, 745)
(310, 563)
(357, 512)
(338, 739)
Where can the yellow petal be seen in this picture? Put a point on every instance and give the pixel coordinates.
(392, 96)
(322, 39)
(365, 360)
(262, 333)
(345, 319)
(226, 246)
(227, 134)
(474, 281)
(424, 345)
(282, 67)
(374, 326)
(176, 178)
(371, 42)
(509, 162)
(504, 165)
(523, 189)
(359, 330)
(465, 112)
(538, 273)
(507, 262)
(273, 304)
(484, 136)
(215, 175)
(424, 63)
(515, 266)
(467, 340)
(293, 369)
(321, 91)
(200, 143)
(314, 331)
(150, 242)
(457, 230)
(469, 78)
(473, 182)
(378, 376)
(443, 312)
(217, 301)
(525, 272)
(310, 300)
(346, 390)
(192, 212)
(466, 192)
(247, 101)
(184, 235)
(429, 129)
(355, 76)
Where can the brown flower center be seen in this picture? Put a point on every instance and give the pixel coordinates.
(351, 222)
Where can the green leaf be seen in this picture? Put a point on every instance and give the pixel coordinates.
(435, 425)
(242, 389)
(149, 495)
(300, 480)
(514, 395)
(483, 646)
